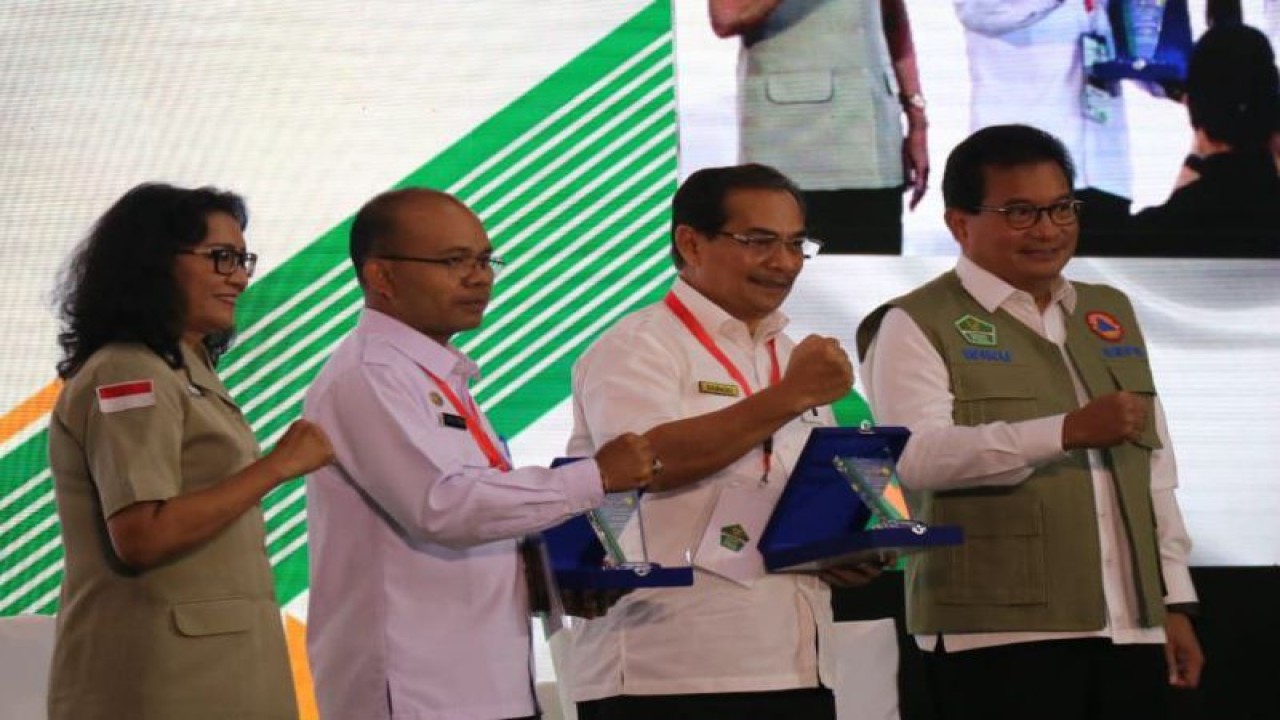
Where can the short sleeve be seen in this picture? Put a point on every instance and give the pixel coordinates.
(628, 382)
(133, 429)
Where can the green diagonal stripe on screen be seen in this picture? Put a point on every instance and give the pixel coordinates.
(573, 181)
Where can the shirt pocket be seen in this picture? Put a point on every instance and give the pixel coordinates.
(1002, 559)
(202, 618)
(800, 87)
(989, 393)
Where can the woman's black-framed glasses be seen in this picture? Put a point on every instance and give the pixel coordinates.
(226, 260)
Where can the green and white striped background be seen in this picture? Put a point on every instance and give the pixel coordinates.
(573, 181)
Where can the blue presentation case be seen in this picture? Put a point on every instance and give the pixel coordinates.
(1173, 49)
(820, 521)
(577, 559)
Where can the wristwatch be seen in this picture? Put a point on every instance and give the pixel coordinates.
(1190, 609)
(914, 100)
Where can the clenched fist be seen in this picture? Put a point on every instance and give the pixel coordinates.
(303, 448)
(1106, 421)
(819, 372)
(626, 463)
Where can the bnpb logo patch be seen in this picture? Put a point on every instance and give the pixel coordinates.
(1105, 326)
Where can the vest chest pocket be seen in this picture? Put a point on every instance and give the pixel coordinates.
(1135, 377)
(213, 617)
(1002, 559)
(800, 87)
(989, 392)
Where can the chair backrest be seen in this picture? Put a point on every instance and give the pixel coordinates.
(26, 646)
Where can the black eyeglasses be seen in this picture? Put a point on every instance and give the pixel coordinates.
(458, 267)
(226, 260)
(1021, 216)
(761, 245)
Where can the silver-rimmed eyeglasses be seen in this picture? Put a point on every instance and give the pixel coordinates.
(764, 244)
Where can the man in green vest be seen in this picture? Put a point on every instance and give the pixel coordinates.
(1037, 428)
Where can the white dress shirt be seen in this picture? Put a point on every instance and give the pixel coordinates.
(1025, 67)
(719, 635)
(908, 384)
(418, 605)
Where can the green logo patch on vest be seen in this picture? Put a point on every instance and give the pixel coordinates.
(976, 331)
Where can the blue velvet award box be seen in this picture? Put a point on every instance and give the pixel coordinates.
(832, 514)
(586, 553)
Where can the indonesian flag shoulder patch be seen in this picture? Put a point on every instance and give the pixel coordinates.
(126, 396)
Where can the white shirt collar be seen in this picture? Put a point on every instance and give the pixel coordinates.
(716, 320)
(991, 292)
(442, 360)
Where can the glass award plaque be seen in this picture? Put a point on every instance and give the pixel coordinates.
(842, 505)
(1142, 22)
(604, 548)
(619, 527)
(870, 477)
(1150, 41)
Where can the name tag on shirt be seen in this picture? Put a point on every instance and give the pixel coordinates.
(453, 421)
(718, 388)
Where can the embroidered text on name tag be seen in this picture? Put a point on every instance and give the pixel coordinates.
(985, 355)
(126, 396)
(1116, 352)
(717, 388)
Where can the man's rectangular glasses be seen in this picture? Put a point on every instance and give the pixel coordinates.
(763, 244)
(1021, 216)
(226, 260)
(461, 266)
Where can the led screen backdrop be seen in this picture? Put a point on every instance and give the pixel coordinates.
(1212, 326)
(559, 125)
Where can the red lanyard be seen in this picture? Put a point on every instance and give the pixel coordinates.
(682, 312)
(472, 415)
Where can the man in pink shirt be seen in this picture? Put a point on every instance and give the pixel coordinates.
(419, 606)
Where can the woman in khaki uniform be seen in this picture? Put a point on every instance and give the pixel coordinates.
(168, 607)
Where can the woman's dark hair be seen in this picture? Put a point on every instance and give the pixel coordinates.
(119, 285)
(1232, 87)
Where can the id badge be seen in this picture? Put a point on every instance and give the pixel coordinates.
(729, 542)
(1098, 98)
(1095, 49)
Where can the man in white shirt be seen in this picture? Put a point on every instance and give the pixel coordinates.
(1035, 426)
(727, 401)
(1026, 66)
(419, 605)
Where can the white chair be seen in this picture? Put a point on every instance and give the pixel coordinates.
(26, 646)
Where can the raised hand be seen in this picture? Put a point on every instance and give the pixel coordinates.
(819, 372)
(1106, 421)
(627, 463)
(303, 448)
